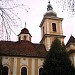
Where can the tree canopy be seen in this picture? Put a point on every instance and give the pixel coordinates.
(66, 5)
(1, 65)
(57, 61)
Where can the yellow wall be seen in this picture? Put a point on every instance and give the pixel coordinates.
(32, 65)
(47, 25)
(11, 66)
(72, 56)
(29, 66)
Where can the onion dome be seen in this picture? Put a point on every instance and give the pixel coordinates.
(49, 6)
(24, 35)
(50, 12)
(25, 31)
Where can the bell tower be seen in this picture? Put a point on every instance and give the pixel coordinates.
(51, 27)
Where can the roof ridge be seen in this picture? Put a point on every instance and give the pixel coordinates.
(71, 40)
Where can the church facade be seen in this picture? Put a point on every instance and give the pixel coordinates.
(26, 58)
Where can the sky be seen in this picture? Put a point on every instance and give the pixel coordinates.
(36, 9)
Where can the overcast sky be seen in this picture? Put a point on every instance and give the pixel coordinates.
(35, 14)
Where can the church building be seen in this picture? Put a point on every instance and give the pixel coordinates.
(26, 58)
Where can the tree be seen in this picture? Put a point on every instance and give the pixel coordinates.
(66, 5)
(10, 20)
(57, 61)
(1, 66)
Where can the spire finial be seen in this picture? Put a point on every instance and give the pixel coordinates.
(49, 7)
(49, 1)
(25, 24)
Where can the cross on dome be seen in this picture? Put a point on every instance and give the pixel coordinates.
(50, 12)
(49, 2)
(49, 7)
(25, 24)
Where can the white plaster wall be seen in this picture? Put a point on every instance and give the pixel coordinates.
(72, 46)
(15, 66)
(27, 37)
(74, 60)
(33, 67)
(23, 63)
(5, 60)
(60, 25)
(44, 25)
(48, 43)
(40, 62)
(48, 27)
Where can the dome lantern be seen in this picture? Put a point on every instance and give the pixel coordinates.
(49, 7)
(50, 12)
(24, 35)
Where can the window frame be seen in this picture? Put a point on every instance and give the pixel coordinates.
(23, 70)
(3, 70)
(40, 69)
(54, 29)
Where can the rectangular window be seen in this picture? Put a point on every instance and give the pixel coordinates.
(54, 27)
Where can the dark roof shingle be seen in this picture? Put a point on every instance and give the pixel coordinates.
(22, 48)
(71, 40)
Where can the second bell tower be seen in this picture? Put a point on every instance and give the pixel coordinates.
(51, 27)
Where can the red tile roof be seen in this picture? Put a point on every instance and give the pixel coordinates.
(22, 48)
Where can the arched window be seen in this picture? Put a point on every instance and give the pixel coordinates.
(24, 71)
(5, 70)
(54, 27)
(40, 70)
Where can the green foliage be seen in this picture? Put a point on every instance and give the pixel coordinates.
(1, 66)
(57, 61)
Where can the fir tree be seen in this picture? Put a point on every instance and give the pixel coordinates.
(57, 61)
(1, 66)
